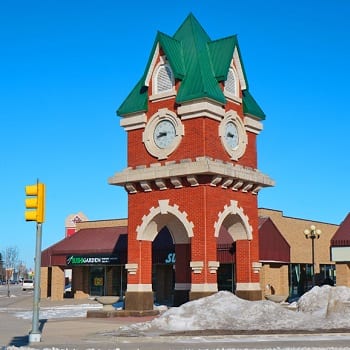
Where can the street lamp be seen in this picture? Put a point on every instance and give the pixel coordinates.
(313, 234)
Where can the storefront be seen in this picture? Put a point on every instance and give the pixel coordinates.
(90, 262)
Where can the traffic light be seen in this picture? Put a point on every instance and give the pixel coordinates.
(35, 202)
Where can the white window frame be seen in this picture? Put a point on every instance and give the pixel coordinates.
(156, 95)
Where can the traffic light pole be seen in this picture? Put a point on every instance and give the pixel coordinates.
(35, 334)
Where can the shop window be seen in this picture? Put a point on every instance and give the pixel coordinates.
(300, 279)
(327, 274)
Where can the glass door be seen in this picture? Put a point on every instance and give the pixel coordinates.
(97, 280)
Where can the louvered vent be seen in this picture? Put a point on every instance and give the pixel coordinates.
(230, 83)
(164, 79)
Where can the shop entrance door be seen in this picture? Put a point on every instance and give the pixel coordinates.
(164, 284)
(97, 280)
(226, 277)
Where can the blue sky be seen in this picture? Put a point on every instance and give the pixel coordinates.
(66, 66)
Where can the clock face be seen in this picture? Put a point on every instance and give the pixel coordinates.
(164, 133)
(231, 136)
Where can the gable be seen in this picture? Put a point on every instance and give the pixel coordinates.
(198, 63)
(273, 247)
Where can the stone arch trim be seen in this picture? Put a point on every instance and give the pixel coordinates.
(236, 222)
(165, 215)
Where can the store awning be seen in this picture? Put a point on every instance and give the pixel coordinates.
(89, 241)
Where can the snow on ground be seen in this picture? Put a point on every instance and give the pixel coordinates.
(59, 311)
(321, 308)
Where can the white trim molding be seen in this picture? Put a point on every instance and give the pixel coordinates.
(252, 125)
(213, 266)
(152, 65)
(204, 287)
(224, 174)
(139, 287)
(134, 121)
(235, 221)
(256, 266)
(176, 221)
(201, 108)
(132, 268)
(197, 266)
(248, 286)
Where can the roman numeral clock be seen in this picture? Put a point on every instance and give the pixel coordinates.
(192, 174)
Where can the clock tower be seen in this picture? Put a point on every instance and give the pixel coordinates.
(192, 126)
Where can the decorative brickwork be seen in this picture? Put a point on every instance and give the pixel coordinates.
(192, 166)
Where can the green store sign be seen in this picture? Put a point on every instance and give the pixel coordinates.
(74, 260)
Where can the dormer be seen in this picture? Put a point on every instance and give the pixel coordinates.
(163, 80)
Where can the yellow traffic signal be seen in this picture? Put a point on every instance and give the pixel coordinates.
(36, 202)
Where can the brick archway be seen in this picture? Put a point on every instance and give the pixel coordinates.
(165, 215)
(235, 221)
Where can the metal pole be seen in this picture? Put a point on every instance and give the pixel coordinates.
(313, 260)
(35, 335)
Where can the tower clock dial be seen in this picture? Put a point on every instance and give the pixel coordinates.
(164, 133)
(233, 135)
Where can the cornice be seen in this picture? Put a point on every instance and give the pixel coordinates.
(134, 121)
(201, 108)
(179, 174)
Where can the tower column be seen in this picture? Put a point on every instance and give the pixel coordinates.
(139, 295)
(204, 262)
(247, 272)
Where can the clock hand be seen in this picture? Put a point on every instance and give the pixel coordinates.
(230, 135)
(161, 134)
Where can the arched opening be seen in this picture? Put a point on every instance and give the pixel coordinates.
(163, 268)
(231, 229)
(226, 253)
(169, 231)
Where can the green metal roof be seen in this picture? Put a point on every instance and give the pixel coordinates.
(251, 107)
(198, 62)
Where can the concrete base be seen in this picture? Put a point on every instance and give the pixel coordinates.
(198, 295)
(249, 294)
(138, 301)
(34, 337)
(120, 313)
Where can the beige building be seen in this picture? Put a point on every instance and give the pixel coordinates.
(295, 277)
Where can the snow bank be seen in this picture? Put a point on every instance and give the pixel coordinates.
(321, 308)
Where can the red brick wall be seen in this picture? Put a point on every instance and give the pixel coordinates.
(202, 204)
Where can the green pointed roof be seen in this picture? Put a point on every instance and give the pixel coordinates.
(198, 62)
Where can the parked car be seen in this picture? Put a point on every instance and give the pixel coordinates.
(27, 284)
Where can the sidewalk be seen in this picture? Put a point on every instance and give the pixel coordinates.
(61, 333)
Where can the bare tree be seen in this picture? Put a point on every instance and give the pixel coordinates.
(2, 270)
(22, 270)
(10, 261)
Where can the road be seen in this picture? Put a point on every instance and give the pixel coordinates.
(86, 333)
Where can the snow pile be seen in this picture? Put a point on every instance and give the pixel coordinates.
(326, 301)
(224, 310)
(321, 308)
